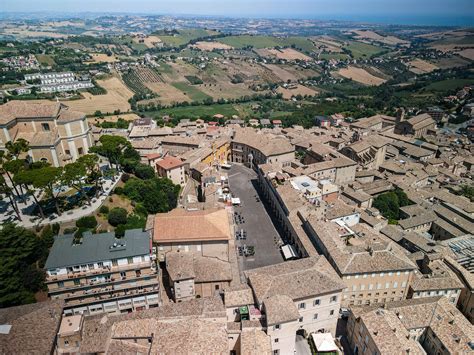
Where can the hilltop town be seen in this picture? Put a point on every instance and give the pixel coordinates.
(261, 187)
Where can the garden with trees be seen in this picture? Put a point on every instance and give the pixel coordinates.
(389, 204)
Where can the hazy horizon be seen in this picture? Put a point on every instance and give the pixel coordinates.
(407, 12)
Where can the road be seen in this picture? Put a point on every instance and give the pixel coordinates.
(261, 232)
(302, 346)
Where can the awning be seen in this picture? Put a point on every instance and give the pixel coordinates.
(235, 201)
(324, 342)
(289, 252)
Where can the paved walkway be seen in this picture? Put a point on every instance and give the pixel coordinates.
(68, 216)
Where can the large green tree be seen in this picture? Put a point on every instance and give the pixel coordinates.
(20, 276)
(48, 179)
(112, 148)
(74, 176)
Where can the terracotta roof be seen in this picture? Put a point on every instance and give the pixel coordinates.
(180, 225)
(33, 328)
(169, 163)
(296, 279)
(255, 341)
(280, 309)
(99, 328)
(239, 295)
(26, 109)
(187, 265)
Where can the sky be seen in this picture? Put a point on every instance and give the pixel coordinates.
(443, 12)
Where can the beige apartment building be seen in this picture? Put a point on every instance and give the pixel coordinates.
(99, 273)
(205, 232)
(193, 275)
(418, 326)
(373, 268)
(171, 168)
(248, 146)
(55, 133)
(296, 297)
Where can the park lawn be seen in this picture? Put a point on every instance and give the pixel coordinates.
(448, 85)
(45, 59)
(253, 41)
(362, 50)
(191, 91)
(197, 111)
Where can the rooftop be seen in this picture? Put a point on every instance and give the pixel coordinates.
(298, 279)
(31, 328)
(187, 265)
(181, 225)
(169, 163)
(96, 247)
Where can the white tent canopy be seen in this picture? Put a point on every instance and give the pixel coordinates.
(324, 342)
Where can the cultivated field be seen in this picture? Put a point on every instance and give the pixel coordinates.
(116, 98)
(103, 58)
(452, 62)
(419, 66)
(361, 76)
(209, 46)
(298, 90)
(390, 40)
(467, 53)
(289, 54)
(114, 118)
(292, 73)
(149, 41)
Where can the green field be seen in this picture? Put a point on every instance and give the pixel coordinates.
(45, 59)
(192, 92)
(184, 36)
(362, 50)
(128, 41)
(448, 85)
(253, 41)
(197, 111)
(268, 42)
(329, 56)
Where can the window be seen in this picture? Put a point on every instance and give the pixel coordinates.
(114, 262)
(371, 286)
(130, 260)
(77, 282)
(61, 284)
(390, 273)
(276, 326)
(91, 267)
(100, 264)
(80, 150)
(354, 288)
(302, 305)
(331, 312)
(333, 298)
(45, 126)
(379, 286)
(315, 316)
(398, 273)
(316, 302)
(395, 284)
(362, 287)
(348, 277)
(356, 276)
(276, 340)
(300, 320)
(404, 283)
(373, 275)
(387, 285)
(66, 343)
(123, 274)
(276, 352)
(381, 274)
(216, 287)
(365, 276)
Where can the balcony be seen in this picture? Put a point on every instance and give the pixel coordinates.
(90, 286)
(97, 272)
(109, 293)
